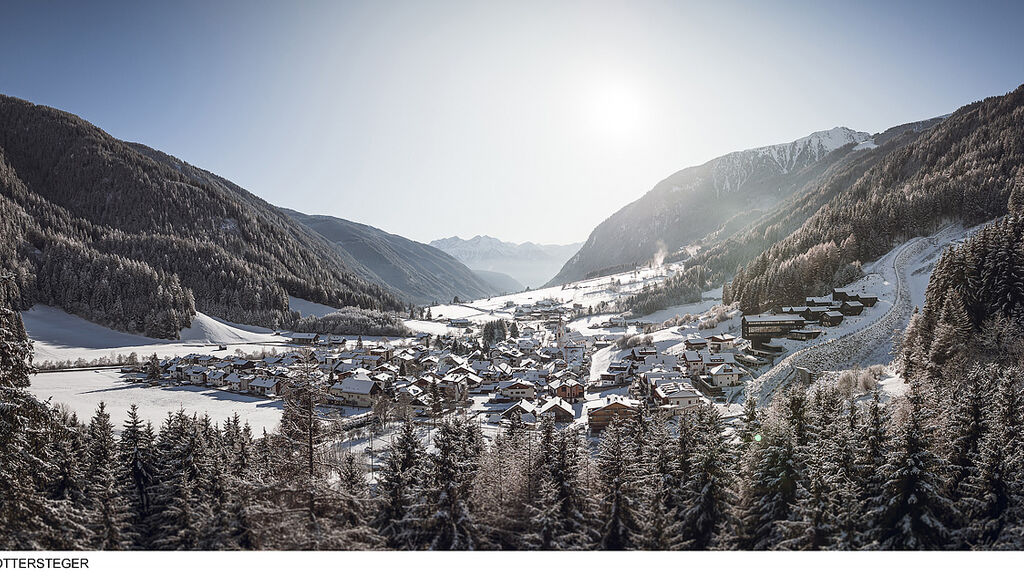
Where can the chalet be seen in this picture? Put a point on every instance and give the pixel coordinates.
(766, 326)
(575, 352)
(644, 351)
(561, 410)
(692, 360)
(866, 299)
(695, 343)
(831, 318)
(709, 360)
(527, 344)
(814, 313)
(719, 342)
(357, 390)
(197, 375)
(725, 375)
(601, 412)
(238, 382)
(851, 308)
(265, 387)
(840, 295)
(302, 338)
(677, 394)
(216, 378)
(619, 368)
(521, 409)
(517, 389)
(812, 301)
(569, 389)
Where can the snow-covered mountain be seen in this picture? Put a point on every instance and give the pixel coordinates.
(708, 199)
(732, 171)
(529, 263)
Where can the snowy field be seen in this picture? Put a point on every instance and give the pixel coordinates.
(57, 336)
(83, 390)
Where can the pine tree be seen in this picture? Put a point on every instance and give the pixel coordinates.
(707, 510)
(137, 467)
(399, 482)
(110, 512)
(914, 514)
(153, 368)
(442, 515)
(771, 479)
(619, 490)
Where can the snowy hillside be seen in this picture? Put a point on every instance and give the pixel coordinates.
(59, 336)
(733, 170)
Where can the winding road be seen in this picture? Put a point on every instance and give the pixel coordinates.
(862, 346)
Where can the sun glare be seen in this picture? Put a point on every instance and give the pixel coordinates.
(614, 111)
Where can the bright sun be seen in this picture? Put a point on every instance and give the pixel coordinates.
(614, 111)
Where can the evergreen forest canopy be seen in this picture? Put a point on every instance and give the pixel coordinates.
(136, 240)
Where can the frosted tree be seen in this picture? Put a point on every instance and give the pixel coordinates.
(769, 489)
(400, 479)
(110, 512)
(913, 512)
(706, 514)
(619, 495)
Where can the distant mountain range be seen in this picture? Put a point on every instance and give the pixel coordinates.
(710, 199)
(528, 263)
(416, 271)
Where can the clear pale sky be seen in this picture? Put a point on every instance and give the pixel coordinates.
(522, 120)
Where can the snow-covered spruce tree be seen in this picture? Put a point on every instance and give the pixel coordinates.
(399, 481)
(914, 513)
(137, 467)
(966, 422)
(848, 498)
(750, 423)
(769, 486)
(501, 491)
(31, 518)
(109, 511)
(544, 530)
(67, 486)
(577, 507)
(994, 506)
(15, 349)
(442, 514)
(178, 513)
(872, 450)
(707, 511)
(619, 493)
(813, 522)
(952, 330)
(659, 525)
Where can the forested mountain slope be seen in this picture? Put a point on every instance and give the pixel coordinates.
(968, 168)
(137, 240)
(698, 201)
(418, 272)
